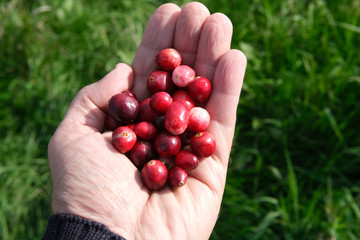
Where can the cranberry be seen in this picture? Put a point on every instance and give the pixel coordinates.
(168, 59)
(111, 123)
(199, 119)
(145, 130)
(167, 144)
(160, 101)
(129, 93)
(176, 118)
(146, 112)
(123, 139)
(187, 160)
(154, 174)
(200, 89)
(177, 176)
(141, 153)
(123, 108)
(203, 144)
(185, 98)
(160, 81)
(183, 75)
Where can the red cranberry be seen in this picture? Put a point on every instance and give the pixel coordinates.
(187, 160)
(203, 144)
(160, 81)
(200, 89)
(154, 174)
(183, 75)
(123, 108)
(141, 153)
(167, 144)
(123, 139)
(199, 119)
(111, 123)
(145, 130)
(168, 59)
(176, 118)
(177, 176)
(146, 112)
(185, 98)
(160, 101)
(129, 93)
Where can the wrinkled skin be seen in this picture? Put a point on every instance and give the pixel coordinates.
(92, 180)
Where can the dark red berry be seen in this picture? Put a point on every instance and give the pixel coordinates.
(141, 153)
(123, 107)
(177, 176)
(154, 174)
(123, 139)
(187, 160)
(167, 144)
(203, 144)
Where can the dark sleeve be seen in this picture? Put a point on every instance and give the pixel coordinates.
(66, 227)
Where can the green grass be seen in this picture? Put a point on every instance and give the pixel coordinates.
(294, 171)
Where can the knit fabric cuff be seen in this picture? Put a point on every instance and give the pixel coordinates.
(67, 226)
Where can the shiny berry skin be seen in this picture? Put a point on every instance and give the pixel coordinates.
(123, 107)
(123, 139)
(160, 81)
(200, 89)
(187, 160)
(199, 119)
(161, 101)
(146, 112)
(145, 130)
(176, 118)
(168, 59)
(154, 174)
(141, 153)
(177, 176)
(183, 75)
(167, 144)
(185, 98)
(203, 144)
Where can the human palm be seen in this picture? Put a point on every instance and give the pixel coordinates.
(92, 180)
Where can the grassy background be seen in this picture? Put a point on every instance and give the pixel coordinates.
(295, 169)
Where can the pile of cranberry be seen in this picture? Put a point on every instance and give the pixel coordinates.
(164, 135)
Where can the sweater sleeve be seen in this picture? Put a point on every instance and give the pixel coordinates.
(66, 227)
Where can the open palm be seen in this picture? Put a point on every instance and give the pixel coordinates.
(92, 180)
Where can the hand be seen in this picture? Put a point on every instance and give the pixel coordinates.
(92, 180)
